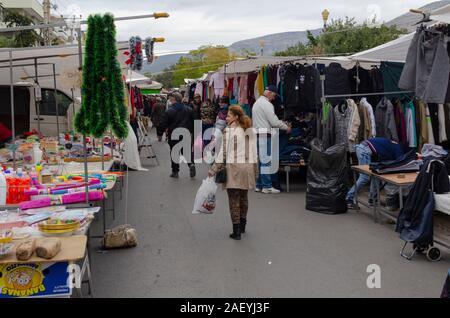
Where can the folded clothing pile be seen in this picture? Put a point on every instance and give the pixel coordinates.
(406, 163)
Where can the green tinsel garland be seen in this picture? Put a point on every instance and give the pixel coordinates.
(82, 123)
(103, 95)
(118, 111)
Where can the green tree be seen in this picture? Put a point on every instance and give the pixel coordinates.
(22, 38)
(344, 36)
(199, 62)
(165, 77)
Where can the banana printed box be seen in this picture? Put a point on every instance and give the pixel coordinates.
(34, 280)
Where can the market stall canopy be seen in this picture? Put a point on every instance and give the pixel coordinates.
(135, 78)
(441, 15)
(253, 64)
(394, 51)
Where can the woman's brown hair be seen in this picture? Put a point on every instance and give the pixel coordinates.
(244, 121)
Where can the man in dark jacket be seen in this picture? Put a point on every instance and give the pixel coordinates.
(178, 116)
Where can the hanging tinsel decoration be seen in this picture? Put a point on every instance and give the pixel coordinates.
(82, 119)
(103, 97)
(136, 55)
(149, 48)
(118, 112)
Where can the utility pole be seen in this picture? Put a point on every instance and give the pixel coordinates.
(47, 8)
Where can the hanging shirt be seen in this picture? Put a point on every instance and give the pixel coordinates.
(411, 125)
(431, 139)
(236, 88)
(199, 89)
(371, 113)
(260, 83)
(442, 131)
(265, 77)
(218, 80)
(243, 90)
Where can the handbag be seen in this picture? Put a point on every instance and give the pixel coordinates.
(221, 176)
(121, 237)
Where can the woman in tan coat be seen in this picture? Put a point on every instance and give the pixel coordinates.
(238, 156)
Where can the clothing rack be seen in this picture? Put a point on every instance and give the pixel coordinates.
(369, 94)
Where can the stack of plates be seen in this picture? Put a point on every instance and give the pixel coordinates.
(49, 228)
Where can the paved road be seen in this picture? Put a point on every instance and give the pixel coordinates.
(288, 252)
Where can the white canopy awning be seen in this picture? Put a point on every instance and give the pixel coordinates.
(441, 15)
(394, 51)
(137, 78)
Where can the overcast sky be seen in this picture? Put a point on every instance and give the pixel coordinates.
(193, 23)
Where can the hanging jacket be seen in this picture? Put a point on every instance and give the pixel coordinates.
(411, 125)
(328, 136)
(347, 123)
(423, 136)
(337, 82)
(427, 67)
(371, 113)
(385, 120)
(353, 125)
(400, 122)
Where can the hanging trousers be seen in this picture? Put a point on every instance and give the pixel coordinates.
(238, 204)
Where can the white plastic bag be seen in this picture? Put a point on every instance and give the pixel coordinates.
(205, 201)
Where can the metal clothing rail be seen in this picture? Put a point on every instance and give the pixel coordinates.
(369, 94)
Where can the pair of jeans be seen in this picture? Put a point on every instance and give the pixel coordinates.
(364, 154)
(175, 163)
(264, 180)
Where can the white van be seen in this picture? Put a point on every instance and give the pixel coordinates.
(26, 111)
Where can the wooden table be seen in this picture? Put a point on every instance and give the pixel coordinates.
(73, 251)
(401, 180)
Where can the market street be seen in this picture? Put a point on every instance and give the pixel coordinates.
(287, 252)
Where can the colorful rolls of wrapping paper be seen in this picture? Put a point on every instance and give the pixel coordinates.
(81, 197)
(78, 189)
(58, 189)
(42, 203)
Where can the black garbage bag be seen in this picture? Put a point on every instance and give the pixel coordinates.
(327, 179)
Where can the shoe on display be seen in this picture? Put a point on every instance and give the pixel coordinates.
(271, 191)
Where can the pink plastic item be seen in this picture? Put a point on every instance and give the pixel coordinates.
(81, 197)
(42, 203)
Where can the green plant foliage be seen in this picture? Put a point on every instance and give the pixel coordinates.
(344, 37)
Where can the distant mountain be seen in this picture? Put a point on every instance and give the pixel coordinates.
(408, 20)
(272, 43)
(161, 63)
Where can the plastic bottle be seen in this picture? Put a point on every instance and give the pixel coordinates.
(19, 185)
(13, 187)
(37, 154)
(3, 188)
(25, 186)
(8, 186)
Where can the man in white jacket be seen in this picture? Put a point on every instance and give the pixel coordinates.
(264, 120)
